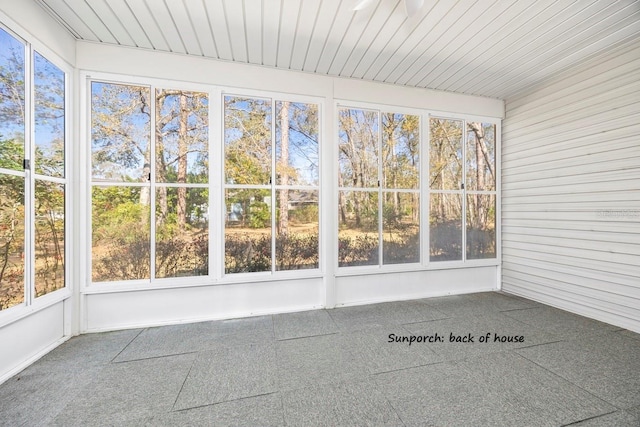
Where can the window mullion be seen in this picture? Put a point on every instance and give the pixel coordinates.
(151, 183)
(29, 196)
(464, 190)
(380, 192)
(272, 183)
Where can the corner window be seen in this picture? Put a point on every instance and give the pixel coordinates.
(32, 174)
(462, 188)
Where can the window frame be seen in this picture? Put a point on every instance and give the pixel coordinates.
(273, 186)
(152, 84)
(32, 303)
(381, 267)
(216, 186)
(464, 262)
(328, 240)
(425, 263)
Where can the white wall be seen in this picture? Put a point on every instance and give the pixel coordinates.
(136, 62)
(571, 190)
(27, 333)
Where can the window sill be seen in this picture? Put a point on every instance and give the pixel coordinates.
(21, 311)
(191, 282)
(412, 268)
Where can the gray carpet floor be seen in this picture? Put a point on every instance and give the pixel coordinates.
(512, 362)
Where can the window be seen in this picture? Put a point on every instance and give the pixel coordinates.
(135, 181)
(32, 174)
(378, 188)
(271, 169)
(481, 190)
(462, 179)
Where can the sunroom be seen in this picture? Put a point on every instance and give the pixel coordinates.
(174, 162)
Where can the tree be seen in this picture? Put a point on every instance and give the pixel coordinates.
(122, 153)
(283, 167)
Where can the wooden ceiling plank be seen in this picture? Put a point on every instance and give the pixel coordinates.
(542, 38)
(405, 39)
(618, 33)
(307, 19)
(288, 32)
(234, 14)
(218, 28)
(452, 42)
(270, 31)
(92, 20)
(343, 19)
(457, 21)
(147, 23)
(489, 22)
(113, 21)
(381, 41)
(165, 23)
(384, 11)
(199, 18)
(71, 19)
(326, 15)
(499, 47)
(351, 38)
(184, 26)
(253, 25)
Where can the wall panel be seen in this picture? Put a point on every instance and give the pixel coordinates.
(571, 190)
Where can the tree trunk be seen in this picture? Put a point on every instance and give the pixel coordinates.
(161, 194)
(283, 169)
(183, 145)
(480, 213)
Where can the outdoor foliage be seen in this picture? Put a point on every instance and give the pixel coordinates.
(449, 157)
(379, 195)
(47, 141)
(271, 207)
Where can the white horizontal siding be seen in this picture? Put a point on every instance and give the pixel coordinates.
(571, 190)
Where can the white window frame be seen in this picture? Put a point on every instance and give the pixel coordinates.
(216, 185)
(425, 263)
(273, 97)
(464, 262)
(31, 303)
(379, 109)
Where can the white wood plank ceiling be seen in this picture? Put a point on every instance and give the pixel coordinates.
(495, 48)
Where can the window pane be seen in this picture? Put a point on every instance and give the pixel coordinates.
(296, 143)
(181, 136)
(297, 229)
(247, 140)
(49, 237)
(445, 155)
(358, 228)
(120, 233)
(49, 117)
(182, 224)
(481, 142)
(401, 228)
(120, 132)
(11, 240)
(400, 151)
(358, 150)
(248, 231)
(481, 226)
(445, 220)
(11, 102)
